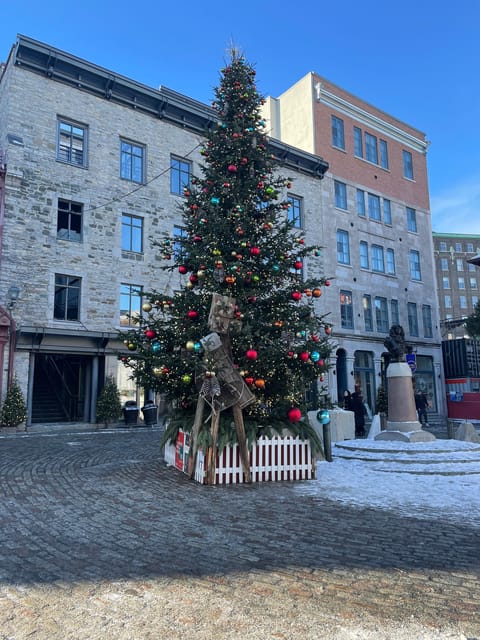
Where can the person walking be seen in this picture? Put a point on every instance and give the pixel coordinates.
(421, 403)
(358, 407)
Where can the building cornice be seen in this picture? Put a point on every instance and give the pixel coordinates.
(162, 103)
(367, 119)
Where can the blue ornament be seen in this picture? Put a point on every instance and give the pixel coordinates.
(215, 200)
(323, 416)
(156, 346)
(315, 356)
(197, 346)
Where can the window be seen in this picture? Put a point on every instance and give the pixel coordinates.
(463, 302)
(376, 253)
(394, 312)
(473, 283)
(459, 263)
(411, 219)
(67, 297)
(474, 301)
(443, 246)
(340, 195)
(387, 211)
(383, 154)
(461, 282)
(346, 309)
(132, 161)
(357, 142)
(295, 211)
(471, 267)
(469, 247)
(446, 282)
(132, 233)
(407, 165)
(412, 318)
(178, 249)
(180, 174)
(338, 138)
(361, 203)
(367, 312)
(371, 152)
(343, 247)
(72, 143)
(448, 302)
(427, 321)
(381, 315)
(458, 247)
(374, 212)
(390, 255)
(363, 255)
(415, 272)
(444, 263)
(69, 220)
(130, 304)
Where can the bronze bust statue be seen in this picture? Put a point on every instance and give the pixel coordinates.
(395, 343)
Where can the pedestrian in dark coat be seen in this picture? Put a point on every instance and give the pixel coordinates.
(347, 400)
(358, 408)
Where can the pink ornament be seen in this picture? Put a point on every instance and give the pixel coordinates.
(232, 168)
(252, 354)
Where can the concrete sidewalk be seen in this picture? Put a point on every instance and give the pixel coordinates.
(99, 540)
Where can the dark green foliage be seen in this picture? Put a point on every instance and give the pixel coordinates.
(240, 242)
(14, 409)
(382, 400)
(472, 323)
(109, 407)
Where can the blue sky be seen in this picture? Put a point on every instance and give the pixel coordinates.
(417, 60)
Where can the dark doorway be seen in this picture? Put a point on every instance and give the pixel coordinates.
(60, 388)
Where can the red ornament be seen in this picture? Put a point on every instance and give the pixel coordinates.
(252, 354)
(192, 314)
(315, 338)
(249, 380)
(150, 334)
(304, 356)
(321, 362)
(328, 331)
(182, 269)
(296, 295)
(294, 414)
(298, 265)
(327, 283)
(232, 168)
(193, 278)
(255, 251)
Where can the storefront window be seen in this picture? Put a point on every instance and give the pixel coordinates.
(424, 379)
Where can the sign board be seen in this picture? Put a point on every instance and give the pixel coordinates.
(411, 359)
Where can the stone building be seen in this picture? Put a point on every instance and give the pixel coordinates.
(92, 169)
(458, 280)
(376, 228)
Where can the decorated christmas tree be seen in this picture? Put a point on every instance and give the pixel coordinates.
(243, 334)
(109, 407)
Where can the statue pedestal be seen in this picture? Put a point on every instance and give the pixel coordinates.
(402, 423)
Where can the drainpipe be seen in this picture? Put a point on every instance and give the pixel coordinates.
(13, 327)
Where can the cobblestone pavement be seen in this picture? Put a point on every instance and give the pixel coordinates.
(100, 540)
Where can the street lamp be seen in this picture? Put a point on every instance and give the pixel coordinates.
(13, 294)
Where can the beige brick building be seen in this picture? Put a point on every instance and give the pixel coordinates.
(376, 229)
(93, 168)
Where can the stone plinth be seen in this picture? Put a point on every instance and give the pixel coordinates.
(402, 423)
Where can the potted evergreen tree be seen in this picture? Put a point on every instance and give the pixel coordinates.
(109, 407)
(14, 409)
(382, 407)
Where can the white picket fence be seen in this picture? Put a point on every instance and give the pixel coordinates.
(276, 459)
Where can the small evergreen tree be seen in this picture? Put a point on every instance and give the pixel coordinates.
(109, 407)
(241, 242)
(14, 409)
(472, 324)
(382, 400)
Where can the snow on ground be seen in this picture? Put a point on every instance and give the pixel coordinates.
(361, 483)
